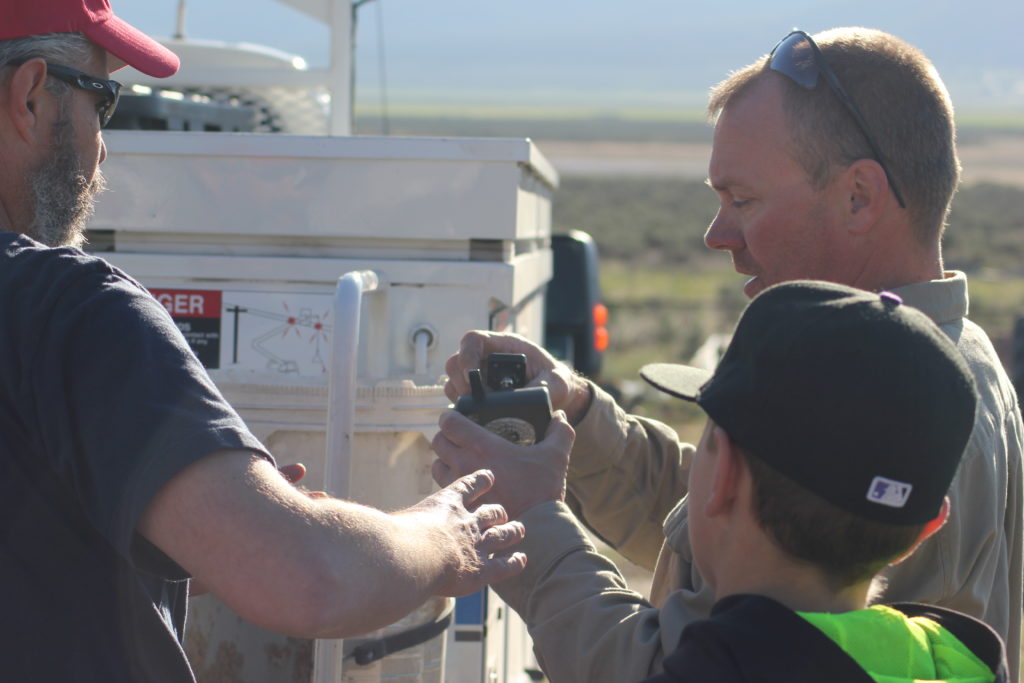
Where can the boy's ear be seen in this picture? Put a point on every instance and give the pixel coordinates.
(929, 529)
(728, 469)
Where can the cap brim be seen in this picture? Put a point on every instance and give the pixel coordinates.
(133, 47)
(681, 381)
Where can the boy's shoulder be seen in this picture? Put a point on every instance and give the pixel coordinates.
(980, 638)
(754, 638)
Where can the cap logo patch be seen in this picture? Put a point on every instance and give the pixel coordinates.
(889, 492)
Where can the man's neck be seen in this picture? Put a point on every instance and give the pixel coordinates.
(899, 261)
(926, 272)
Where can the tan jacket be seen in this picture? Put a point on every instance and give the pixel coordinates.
(628, 479)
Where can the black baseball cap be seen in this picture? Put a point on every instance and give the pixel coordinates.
(854, 395)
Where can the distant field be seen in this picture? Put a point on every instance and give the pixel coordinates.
(995, 156)
(426, 116)
(597, 125)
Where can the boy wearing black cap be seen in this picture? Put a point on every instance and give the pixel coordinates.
(837, 419)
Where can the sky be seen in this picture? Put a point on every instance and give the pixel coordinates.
(600, 53)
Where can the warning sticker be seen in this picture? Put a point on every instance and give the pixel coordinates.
(277, 332)
(197, 314)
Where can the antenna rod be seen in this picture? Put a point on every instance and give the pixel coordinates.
(179, 34)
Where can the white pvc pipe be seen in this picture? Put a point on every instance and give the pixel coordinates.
(341, 393)
(421, 342)
(341, 406)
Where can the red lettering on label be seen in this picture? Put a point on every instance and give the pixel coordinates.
(189, 303)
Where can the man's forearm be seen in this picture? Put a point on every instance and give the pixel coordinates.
(377, 568)
(574, 600)
(317, 567)
(627, 474)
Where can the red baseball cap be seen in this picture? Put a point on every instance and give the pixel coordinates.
(96, 21)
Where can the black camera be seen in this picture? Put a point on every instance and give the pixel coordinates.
(509, 409)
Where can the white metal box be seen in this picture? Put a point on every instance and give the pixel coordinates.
(244, 237)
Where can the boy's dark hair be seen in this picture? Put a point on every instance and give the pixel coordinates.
(847, 549)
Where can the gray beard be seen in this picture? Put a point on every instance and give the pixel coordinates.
(63, 199)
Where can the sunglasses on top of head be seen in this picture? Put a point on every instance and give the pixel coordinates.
(799, 58)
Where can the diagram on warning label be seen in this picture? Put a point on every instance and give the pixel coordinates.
(285, 333)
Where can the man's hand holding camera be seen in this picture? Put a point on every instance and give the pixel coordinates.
(525, 475)
(569, 392)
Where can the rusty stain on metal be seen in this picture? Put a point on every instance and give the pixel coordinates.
(225, 666)
(296, 652)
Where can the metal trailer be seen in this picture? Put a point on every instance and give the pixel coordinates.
(323, 280)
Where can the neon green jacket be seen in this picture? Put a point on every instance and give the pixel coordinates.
(893, 647)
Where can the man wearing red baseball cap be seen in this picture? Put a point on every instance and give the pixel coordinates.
(123, 472)
(95, 20)
(76, 43)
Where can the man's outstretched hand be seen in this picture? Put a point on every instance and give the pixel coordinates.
(466, 533)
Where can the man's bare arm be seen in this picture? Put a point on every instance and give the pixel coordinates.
(322, 567)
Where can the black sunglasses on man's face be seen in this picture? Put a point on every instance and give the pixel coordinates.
(798, 57)
(108, 90)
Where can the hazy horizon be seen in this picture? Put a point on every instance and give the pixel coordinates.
(649, 53)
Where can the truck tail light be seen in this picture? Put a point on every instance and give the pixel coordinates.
(600, 327)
